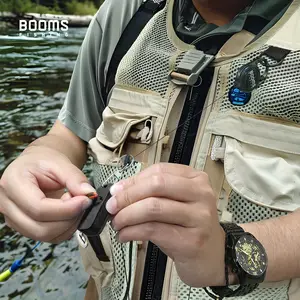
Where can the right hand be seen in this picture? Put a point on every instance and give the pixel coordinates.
(26, 195)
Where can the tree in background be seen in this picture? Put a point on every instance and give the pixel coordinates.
(65, 3)
(15, 6)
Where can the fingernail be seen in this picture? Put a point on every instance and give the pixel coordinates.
(111, 205)
(116, 188)
(87, 203)
(87, 188)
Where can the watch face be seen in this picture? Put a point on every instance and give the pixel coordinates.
(251, 255)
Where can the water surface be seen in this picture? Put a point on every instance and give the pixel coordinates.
(34, 78)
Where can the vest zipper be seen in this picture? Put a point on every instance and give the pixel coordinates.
(152, 271)
(155, 259)
(185, 129)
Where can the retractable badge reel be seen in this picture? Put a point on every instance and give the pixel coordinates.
(248, 78)
(254, 74)
(96, 216)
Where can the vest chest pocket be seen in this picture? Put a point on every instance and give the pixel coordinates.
(261, 158)
(131, 121)
(259, 142)
(277, 96)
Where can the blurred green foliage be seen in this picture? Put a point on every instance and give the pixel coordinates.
(72, 7)
(80, 8)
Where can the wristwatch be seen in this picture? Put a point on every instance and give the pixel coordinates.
(244, 256)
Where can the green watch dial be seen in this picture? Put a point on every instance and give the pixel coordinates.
(251, 255)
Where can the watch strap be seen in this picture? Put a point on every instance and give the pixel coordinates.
(226, 292)
(232, 234)
(232, 228)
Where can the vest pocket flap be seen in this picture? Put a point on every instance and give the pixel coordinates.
(116, 126)
(257, 130)
(132, 117)
(138, 101)
(267, 177)
(101, 154)
(261, 159)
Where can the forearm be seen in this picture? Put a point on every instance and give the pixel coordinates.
(64, 141)
(281, 239)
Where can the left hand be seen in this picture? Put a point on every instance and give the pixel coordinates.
(174, 207)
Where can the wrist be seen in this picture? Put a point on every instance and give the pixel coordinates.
(39, 150)
(58, 146)
(220, 278)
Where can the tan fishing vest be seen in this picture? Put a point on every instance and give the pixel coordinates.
(251, 152)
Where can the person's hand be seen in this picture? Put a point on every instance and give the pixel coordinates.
(174, 207)
(27, 195)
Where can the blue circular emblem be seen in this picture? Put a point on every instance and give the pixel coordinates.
(238, 97)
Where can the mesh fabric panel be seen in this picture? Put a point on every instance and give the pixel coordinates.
(278, 96)
(147, 66)
(244, 211)
(105, 173)
(120, 252)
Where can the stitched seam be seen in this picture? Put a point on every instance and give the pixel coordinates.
(79, 122)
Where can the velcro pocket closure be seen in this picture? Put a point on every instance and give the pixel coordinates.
(261, 159)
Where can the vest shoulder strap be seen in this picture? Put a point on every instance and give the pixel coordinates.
(146, 11)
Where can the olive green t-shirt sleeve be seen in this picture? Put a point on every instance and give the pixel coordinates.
(83, 106)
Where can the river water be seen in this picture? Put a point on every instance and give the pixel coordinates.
(34, 78)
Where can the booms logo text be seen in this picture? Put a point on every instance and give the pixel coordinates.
(44, 28)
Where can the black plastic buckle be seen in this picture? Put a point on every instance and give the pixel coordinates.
(95, 217)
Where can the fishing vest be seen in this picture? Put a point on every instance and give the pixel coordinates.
(251, 152)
